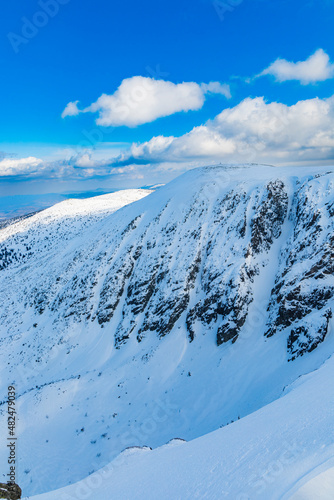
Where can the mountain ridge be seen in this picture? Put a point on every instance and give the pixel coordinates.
(206, 298)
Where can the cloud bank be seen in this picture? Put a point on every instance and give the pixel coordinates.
(252, 131)
(140, 100)
(79, 166)
(317, 68)
(18, 167)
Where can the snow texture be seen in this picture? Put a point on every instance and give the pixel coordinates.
(199, 304)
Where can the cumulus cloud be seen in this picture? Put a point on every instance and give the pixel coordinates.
(85, 161)
(71, 109)
(79, 166)
(140, 100)
(316, 68)
(254, 130)
(20, 166)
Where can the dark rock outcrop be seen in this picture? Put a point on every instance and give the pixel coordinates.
(10, 491)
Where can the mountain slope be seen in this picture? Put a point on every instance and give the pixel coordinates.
(283, 451)
(168, 318)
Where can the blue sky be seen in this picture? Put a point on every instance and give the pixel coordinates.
(54, 52)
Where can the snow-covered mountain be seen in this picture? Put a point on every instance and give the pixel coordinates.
(192, 307)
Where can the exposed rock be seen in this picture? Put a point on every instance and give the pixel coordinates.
(269, 217)
(10, 491)
(302, 340)
(304, 284)
(194, 257)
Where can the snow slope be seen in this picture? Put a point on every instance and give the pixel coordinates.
(270, 454)
(192, 307)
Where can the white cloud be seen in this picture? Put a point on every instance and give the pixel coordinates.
(85, 161)
(71, 109)
(79, 166)
(140, 100)
(154, 147)
(316, 68)
(254, 130)
(20, 166)
(217, 88)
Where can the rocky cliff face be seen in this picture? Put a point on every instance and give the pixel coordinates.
(198, 257)
(301, 301)
(231, 258)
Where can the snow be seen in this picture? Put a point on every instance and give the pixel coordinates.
(95, 207)
(83, 398)
(264, 455)
(321, 485)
